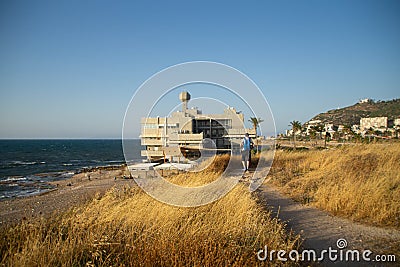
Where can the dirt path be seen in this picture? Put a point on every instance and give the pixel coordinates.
(321, 230)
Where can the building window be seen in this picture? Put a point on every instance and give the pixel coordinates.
(150, 126)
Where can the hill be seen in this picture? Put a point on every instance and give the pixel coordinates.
(352, 114)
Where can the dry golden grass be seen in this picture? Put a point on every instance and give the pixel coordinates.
(361, 182)
(127, 227)
(210, 171)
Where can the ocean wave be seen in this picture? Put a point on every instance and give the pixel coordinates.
(115, 161)
(11, 179)
(67, 164)
(24, 192)
(18, 162)
(67, 174)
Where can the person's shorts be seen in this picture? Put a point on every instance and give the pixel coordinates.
(245, 155)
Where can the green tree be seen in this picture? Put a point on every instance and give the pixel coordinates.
(370, 132)
(318, 128)
(296, 126)
(313, 135)
(348, 132)
(256, 122)
(327, 138)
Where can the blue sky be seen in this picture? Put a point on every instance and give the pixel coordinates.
(68, 69)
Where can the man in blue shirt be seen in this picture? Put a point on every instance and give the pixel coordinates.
(245, 146)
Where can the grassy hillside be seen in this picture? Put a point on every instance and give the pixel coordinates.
(129, 228)
(361, 182)
(352, 115)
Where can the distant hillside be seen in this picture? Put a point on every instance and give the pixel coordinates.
(352, 114)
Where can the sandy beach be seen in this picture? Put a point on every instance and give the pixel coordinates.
(68, 193)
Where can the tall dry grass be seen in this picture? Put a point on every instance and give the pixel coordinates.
(127, 227)
(361, 182)
(210, 170)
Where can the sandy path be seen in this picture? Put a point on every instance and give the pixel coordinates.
(321, 230)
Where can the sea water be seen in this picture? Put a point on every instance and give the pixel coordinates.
(26, 166)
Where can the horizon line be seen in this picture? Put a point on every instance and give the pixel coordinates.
(66, 138)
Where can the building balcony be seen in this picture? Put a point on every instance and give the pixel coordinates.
(239, 133)
(180, 138)
(151, 133)
(151, 153)
(151, 142)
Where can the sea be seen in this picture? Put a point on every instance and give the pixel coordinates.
(26, 166)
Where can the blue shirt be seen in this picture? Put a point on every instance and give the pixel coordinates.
(246, 143)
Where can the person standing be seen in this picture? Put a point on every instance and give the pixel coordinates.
(245, 146)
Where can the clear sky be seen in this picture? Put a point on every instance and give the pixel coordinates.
(68, 69)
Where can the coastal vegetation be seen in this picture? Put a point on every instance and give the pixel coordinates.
(126, 227)
(210, 170)
(359, 181)
(255, 123)
(296, 126)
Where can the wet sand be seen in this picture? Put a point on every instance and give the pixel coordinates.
(68, 194)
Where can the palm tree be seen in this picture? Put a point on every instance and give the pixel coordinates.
(296, 126)
(256, 122)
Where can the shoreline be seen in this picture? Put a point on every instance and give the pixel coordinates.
(55, 178)
(68, 193)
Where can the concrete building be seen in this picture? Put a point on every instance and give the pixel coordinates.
(341, 128)
(330, 128)
(374, 123)
(309, 125)
(381, 126)
(356, 128)
(365, 100)
(190, 131)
